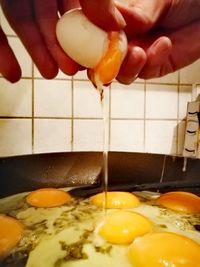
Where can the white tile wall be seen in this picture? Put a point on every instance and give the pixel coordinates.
(16, 99)
(52, 135)
(52, 98)
(171, 78)
(190, 74)
(132, 95)
(161, 136)
(22, 56)
(86, 100)
(15, 137)
(161, 101)
(5, 25)
(88, 135)
(65, 114)
(127, 135)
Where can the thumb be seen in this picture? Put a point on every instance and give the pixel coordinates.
(103, 13)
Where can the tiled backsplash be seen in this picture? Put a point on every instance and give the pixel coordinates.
(65, 114)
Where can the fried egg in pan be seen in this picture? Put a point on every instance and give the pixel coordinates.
(133, 231)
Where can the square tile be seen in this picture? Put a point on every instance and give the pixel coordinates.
(161, 137)
(16, 99)
(88, 135)
(87, 102)
(81, 75)
(161, 101)
(52, 135)
(15, 137)
(190, 74)
(5, 25)
(22, 56)
(127, 135)
(127, 101)
(169, 78)
(53, 98)
(185, 96)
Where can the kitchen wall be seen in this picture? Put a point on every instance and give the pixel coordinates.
(65, 114)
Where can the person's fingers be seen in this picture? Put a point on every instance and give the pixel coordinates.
(180, 13)
(19, 14)
(103, 13)
(173, 52)
(186, 45)
(157, 57)
(65, 5)
(141, 15)
(47, 17)
(9, 67)
(132, 65)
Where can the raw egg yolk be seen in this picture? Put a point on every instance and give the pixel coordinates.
(121, 227)
(180, 201)
(164, 250)
(115, 200)
(10, 234)
(108, 68)
(47, 198)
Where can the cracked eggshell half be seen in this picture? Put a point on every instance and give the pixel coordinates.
(90, 46)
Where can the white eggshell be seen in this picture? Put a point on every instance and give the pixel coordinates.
(83, 41)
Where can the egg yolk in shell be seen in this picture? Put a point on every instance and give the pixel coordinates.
(115, 200)
(164, 250)
(47, 198)
(180, 201)
(108, 68)
(10, 234)
(121, 227)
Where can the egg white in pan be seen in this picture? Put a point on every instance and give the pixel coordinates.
(49, 228)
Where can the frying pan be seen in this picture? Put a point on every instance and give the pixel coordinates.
(83, 172)
(130, 171)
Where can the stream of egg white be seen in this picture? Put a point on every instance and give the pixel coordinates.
(105, 114)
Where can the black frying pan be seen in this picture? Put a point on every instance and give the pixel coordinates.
(130, 171)
(83, 170)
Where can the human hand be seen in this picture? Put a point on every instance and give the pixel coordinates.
(34, 21)
(164, 36)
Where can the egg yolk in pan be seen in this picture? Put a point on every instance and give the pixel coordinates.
(108, 68)
(164, 250)
(121, 227)
(10, 234)
(47, 198)
(115, 200)
(180, 201)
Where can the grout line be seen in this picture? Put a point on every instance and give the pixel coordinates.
(84, 118)
(114, 82)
